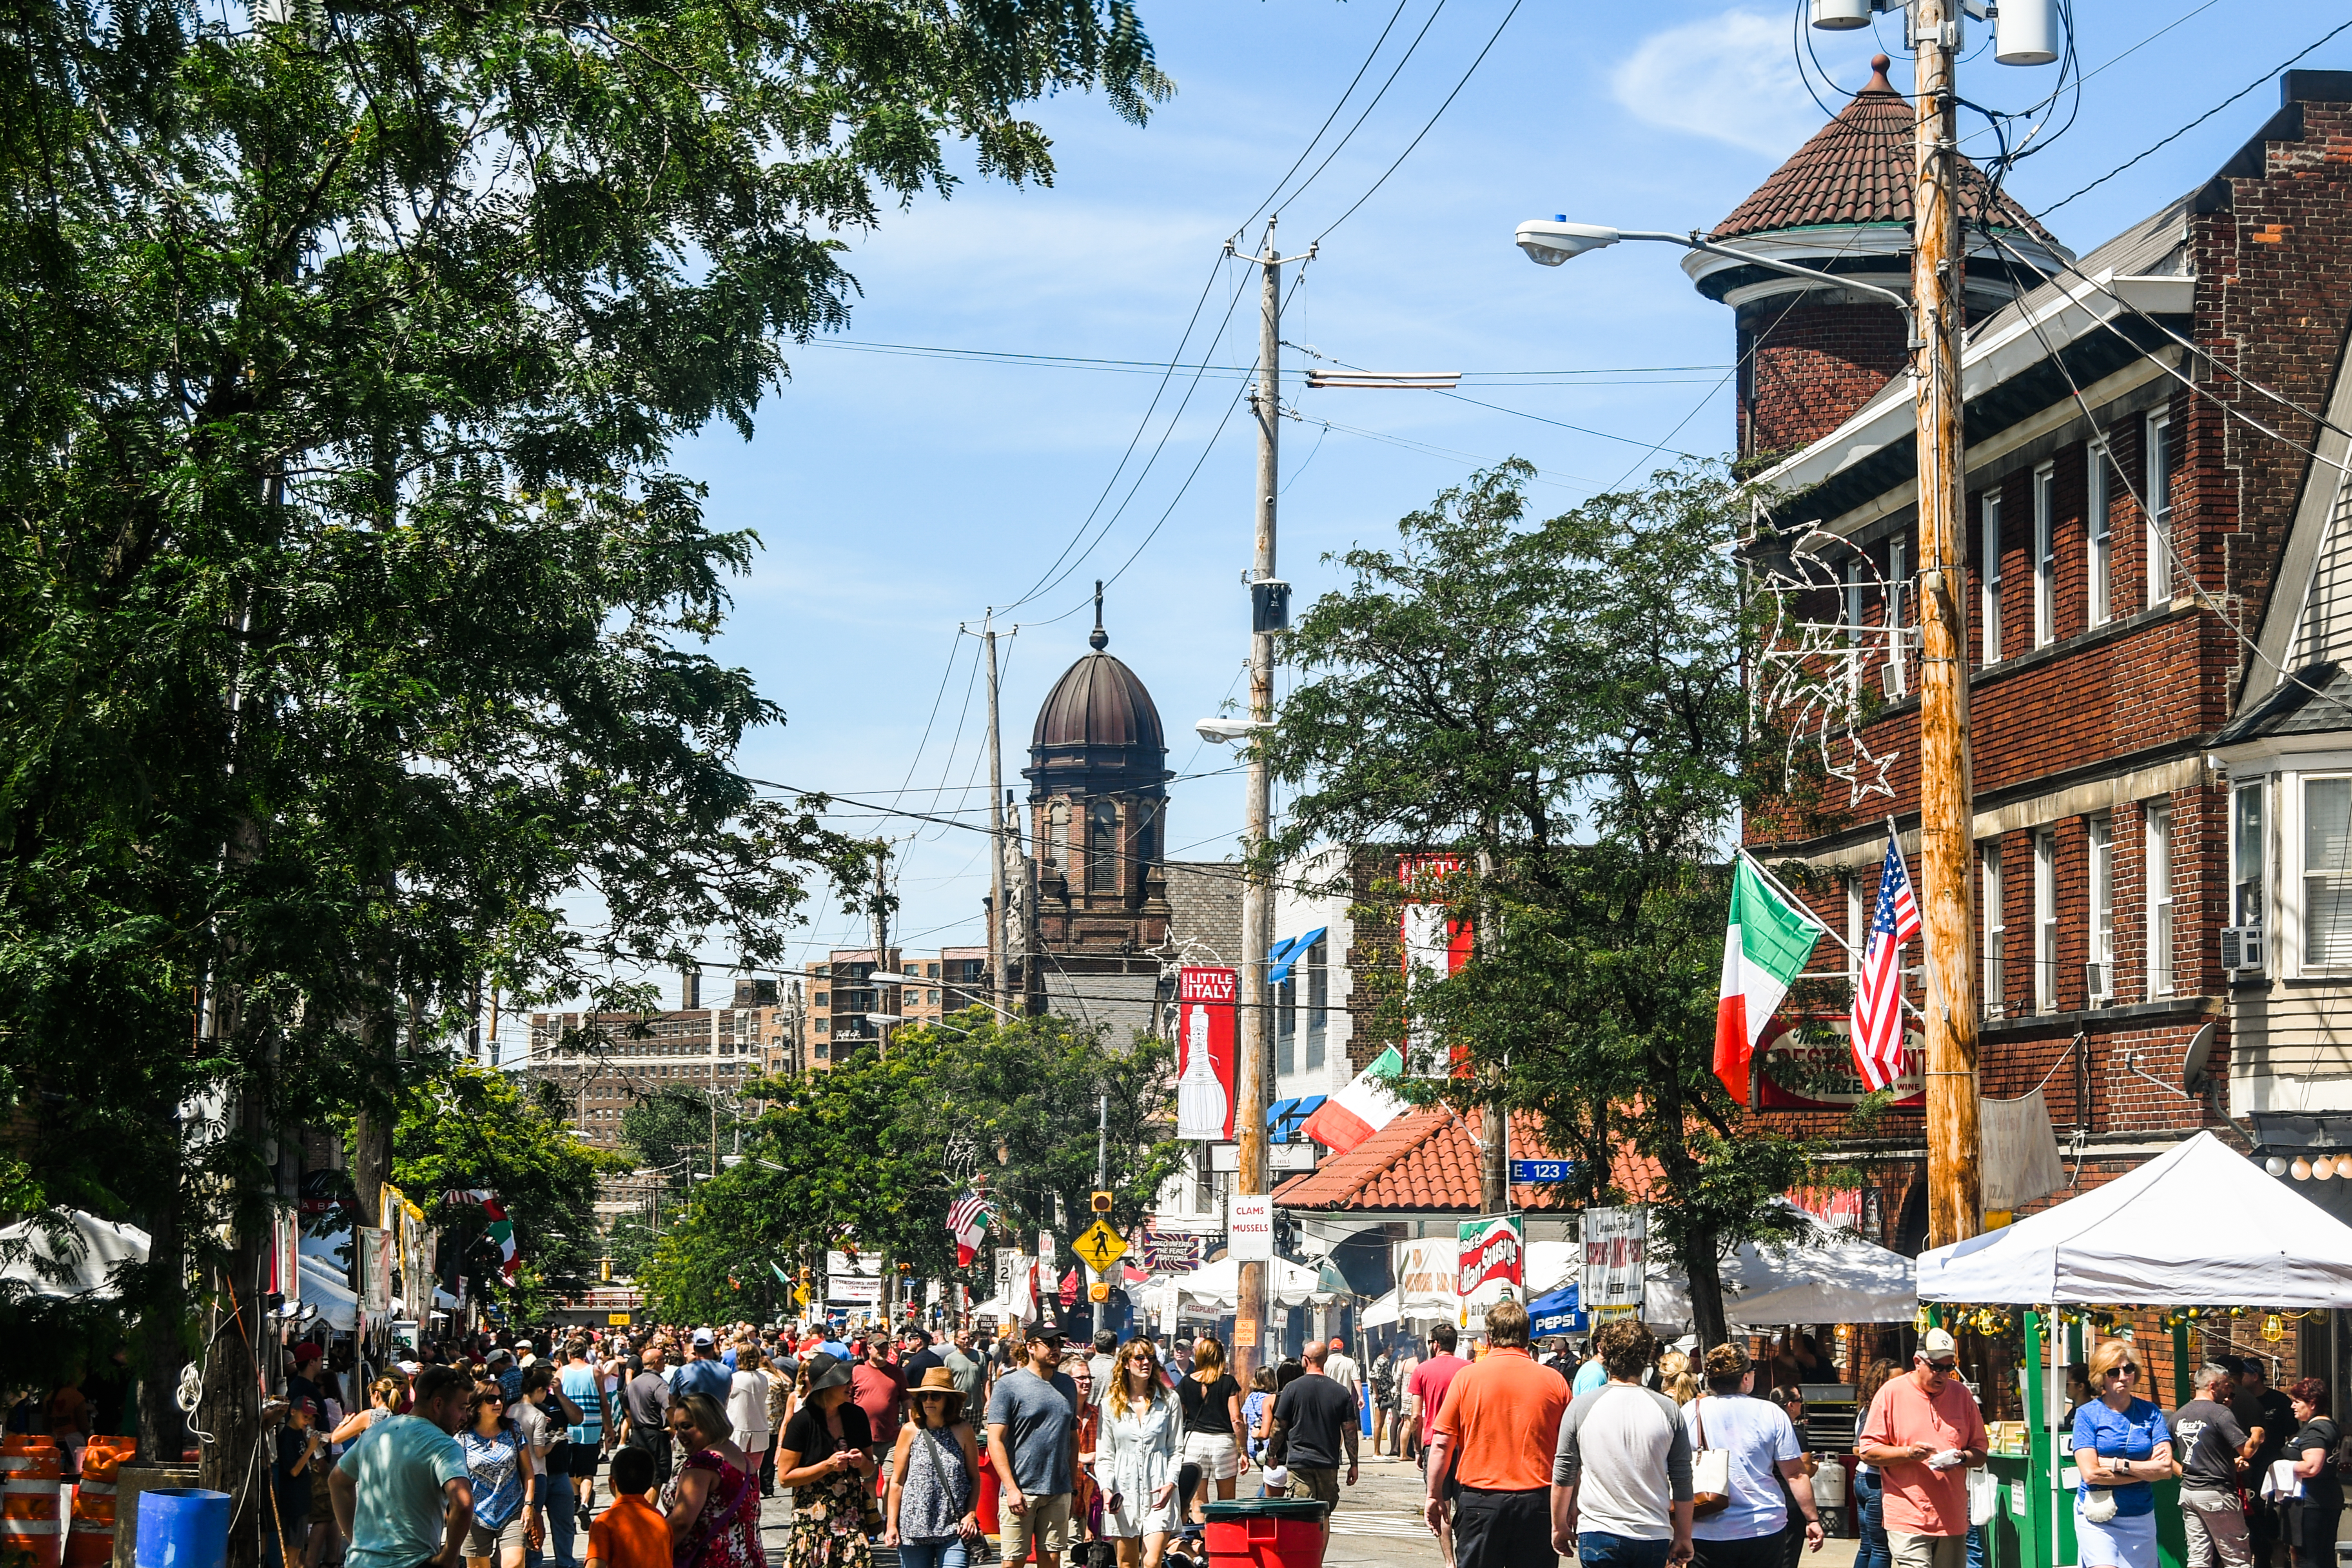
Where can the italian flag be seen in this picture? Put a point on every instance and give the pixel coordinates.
(1767, 945)
(499, 1228)
(1361, 1109)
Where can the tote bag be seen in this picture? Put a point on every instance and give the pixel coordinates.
(1710, 1472)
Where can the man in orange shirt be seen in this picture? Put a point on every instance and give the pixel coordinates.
(1497, 1431)
(631, 1533)
(1924, 1432)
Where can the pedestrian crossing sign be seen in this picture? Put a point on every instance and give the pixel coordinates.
(1099, 1246)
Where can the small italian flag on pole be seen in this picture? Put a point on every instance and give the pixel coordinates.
(1767, 945)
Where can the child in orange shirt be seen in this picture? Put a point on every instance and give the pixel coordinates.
(631, 1533)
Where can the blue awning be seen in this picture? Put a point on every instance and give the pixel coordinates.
(1557, 1313)
(1284, 1116)
(1287, 952)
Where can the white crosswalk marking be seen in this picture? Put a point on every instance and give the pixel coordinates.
(1395, 1526)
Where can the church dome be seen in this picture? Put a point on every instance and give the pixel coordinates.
(1100, 729)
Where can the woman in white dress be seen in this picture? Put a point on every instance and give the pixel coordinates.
(747, 1405)
(1135, 1457)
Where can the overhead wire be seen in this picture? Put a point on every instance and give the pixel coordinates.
(2145, 153)
(1336, 148)
(1426, 129)
(1352, 83)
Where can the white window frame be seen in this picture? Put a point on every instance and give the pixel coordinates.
(2100, 531)
(1996, 928)
(2158, 876)
(2249, 897)
(1898, 582)
(1854, 592)
(1990, 630)
(2158, 506)
(2299, 884)
(2045, 555)
(1856, 912)
(2045, 923)
(2101, 945)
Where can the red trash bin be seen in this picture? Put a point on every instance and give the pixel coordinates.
(1265, 1532)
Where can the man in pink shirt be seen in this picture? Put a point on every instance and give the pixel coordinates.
(1923, 1433)
(1425, 1397)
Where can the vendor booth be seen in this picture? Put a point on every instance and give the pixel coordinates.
(2198, 1230)
(1822, 1274)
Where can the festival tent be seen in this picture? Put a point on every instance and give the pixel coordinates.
(1379, 1314)
(323, 1288)
(1212, 1287)
(2198, 1225)
(1825, 1275)
(36, 1262)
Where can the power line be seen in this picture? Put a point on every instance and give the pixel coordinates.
(1358, 125)
(1342, 103)
(2145, 153)
(1425, 130)
(1153, 368)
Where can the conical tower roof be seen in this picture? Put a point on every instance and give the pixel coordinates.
(1858, 169)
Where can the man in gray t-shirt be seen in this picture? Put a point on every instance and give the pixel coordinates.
(1622, 1472)
(2207, 1435)
(1033, 1437)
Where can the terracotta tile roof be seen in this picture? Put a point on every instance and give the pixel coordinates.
(1858, 169)
(1427, 1161)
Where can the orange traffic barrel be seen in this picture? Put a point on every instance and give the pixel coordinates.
(29, 1476)
(90, 1534)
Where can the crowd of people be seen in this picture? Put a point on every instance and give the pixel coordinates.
(493, 1452)
(1636, 1456)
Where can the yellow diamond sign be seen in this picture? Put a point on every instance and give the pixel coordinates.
(1099, 1246)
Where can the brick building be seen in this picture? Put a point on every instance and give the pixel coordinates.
(2158, 576)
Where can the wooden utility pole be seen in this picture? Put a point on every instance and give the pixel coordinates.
(1000, 945)
(886, 997)
(1255, 1069)
(1955, 1201)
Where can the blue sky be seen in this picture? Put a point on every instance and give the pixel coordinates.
(898, 495)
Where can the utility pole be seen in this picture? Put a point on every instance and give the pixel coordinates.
(1000, 944)
(888, 1007)
(1955, 1191)
(1269, 613)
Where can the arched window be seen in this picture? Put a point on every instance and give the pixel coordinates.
(1058, 835)
(1102, 846)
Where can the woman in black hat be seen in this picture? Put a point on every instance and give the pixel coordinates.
(826, 1457)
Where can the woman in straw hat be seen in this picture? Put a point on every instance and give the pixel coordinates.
(1136, 1462)
(934, 1478)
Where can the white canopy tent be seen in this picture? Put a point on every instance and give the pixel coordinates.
(1826, 1275)
(77, 1265)
(323, 1288)
(1211, 1288)
(2198, 1225)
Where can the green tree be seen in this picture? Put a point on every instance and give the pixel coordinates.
(873, 1153)
(669, 1130)
(1561, 702)
(349, 606)
(469, 1128)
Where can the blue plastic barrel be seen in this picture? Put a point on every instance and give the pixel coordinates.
(183, 1527)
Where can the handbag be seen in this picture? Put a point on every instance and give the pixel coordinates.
(1710, 1472)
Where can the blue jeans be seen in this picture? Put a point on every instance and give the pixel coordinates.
(557, 1502)
(1599, 1549)
(948, 1554)
(1870, 1499)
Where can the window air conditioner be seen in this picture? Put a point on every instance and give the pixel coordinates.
(2242, 949)
(2099, 982)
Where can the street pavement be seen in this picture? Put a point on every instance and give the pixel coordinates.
(1378, 1524)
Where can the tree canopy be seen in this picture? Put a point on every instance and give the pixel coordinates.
(1561, 702)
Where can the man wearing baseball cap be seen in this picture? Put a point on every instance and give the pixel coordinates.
(1923, 1433)
(1032, 1438)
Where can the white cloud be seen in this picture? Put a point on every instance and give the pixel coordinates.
(1731, 78)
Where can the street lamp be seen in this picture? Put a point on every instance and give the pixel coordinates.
(1548, 242)
(1224, 732)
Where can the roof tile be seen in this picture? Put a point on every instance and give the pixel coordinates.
(1858, 169)
(1425, 1161)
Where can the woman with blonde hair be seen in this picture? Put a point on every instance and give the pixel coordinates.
(1211, 1401)
(1676, 1381)
(2122, 1447)
(1135, 1464)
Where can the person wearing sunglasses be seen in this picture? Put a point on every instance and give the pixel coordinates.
(1922, 1434)
(2122, 1447)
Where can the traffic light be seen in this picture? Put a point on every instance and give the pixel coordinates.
(608, 1271)
(1102, 1203)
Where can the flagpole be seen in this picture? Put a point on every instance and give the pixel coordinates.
(1796, 903)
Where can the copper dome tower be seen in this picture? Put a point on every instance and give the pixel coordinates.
(1098, 778)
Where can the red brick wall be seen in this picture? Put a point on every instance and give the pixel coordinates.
(1813, 366)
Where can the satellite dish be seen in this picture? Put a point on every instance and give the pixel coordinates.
(2192, 1066)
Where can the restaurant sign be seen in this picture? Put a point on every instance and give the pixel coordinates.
(1807, 1064)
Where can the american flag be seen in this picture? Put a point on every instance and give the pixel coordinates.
(1878, 990)
(967, 1220)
